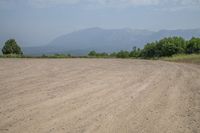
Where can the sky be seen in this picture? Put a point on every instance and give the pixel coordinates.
(38, 22)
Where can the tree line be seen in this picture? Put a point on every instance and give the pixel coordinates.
(165, 47)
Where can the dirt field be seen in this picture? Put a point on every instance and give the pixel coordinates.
(98, 96)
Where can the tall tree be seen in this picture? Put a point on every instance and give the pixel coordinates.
(11, 47)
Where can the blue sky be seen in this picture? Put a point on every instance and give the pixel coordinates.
(37, 22)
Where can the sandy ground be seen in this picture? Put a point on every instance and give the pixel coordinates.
(98, 96)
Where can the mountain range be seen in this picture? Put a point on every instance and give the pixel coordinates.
(105, 40)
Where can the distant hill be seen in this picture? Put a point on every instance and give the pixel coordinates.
(105, 40)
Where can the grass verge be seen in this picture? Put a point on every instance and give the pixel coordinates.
(185, 58)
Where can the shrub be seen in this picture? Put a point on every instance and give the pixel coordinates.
(149, 51)
(123, 54)
(193, 45)
(92, 53)
(136, 52)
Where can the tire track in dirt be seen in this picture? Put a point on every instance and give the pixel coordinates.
(98, 95)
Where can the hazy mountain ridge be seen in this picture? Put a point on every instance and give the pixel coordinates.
(105, 40)
(99, 39)
(187, 34)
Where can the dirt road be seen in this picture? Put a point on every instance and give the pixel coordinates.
(98, 96)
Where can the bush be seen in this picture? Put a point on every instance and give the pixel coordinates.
(114, 54)
(92, 53)
(149, 50)
(136, 52)
(193, 45)
(165, 47)
(104, 54)
(99, 55)
(123, 54)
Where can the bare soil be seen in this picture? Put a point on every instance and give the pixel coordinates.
(98, 96)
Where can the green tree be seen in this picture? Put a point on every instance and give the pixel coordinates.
(136, 52)
(193, 46)
(114, 54)
(165, 47)
(92, 53)
(104, 54)
(171, 45)
(123, 54)
(169, 49)
(150, 50)
(11, 47)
